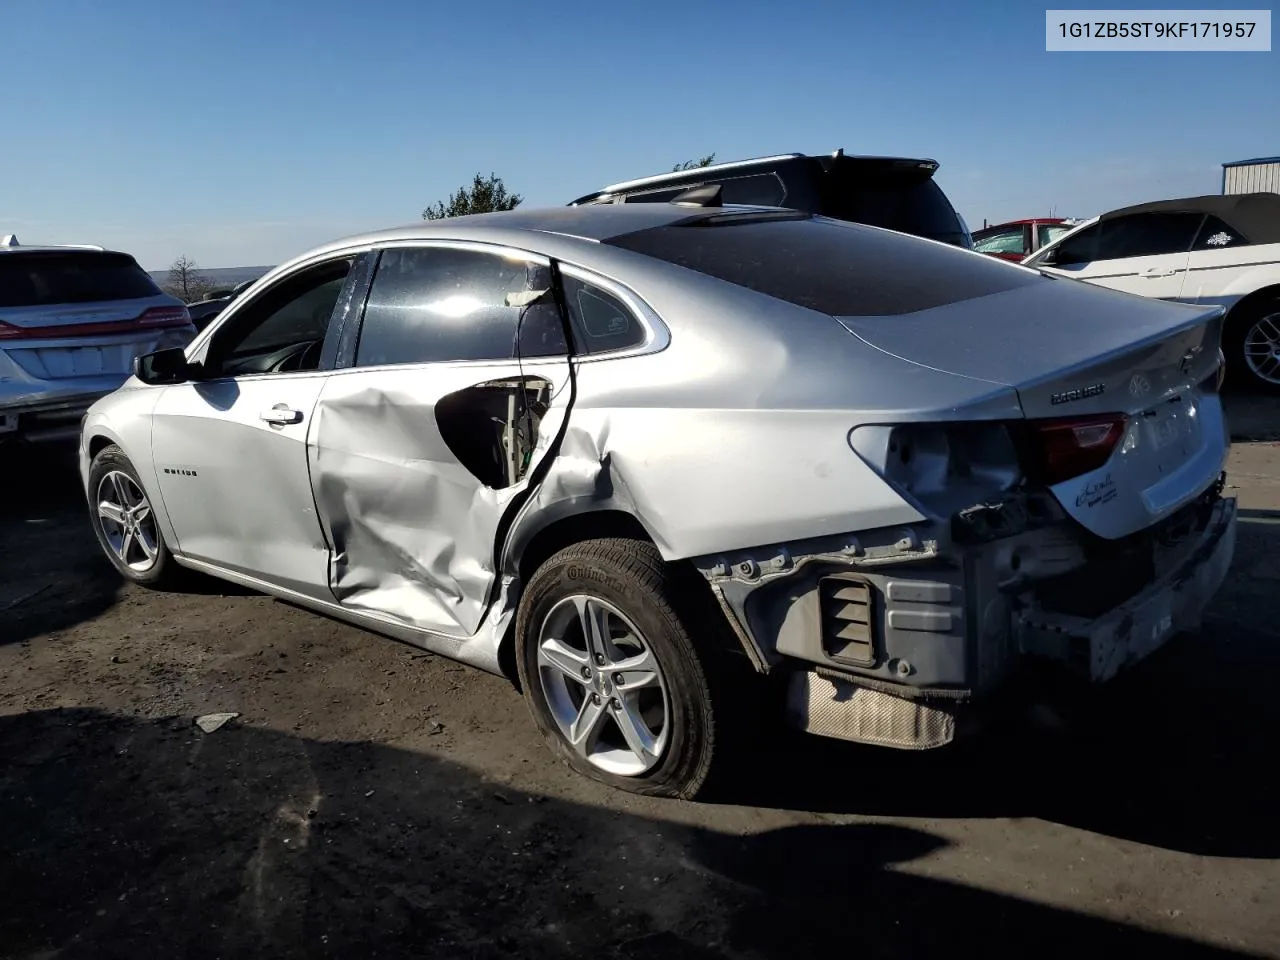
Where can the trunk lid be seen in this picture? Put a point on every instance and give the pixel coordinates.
(87, 340)
(72, 313)
(1074, 350)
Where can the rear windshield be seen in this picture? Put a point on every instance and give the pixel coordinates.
(36, 279)
(908, 205)
(842, 269)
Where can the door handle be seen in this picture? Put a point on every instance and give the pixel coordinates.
(1155, 272)
(281, 415)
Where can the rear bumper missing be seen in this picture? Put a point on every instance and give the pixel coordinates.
(1175, 602)
(897, 638)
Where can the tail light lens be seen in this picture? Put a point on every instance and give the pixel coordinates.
(1064, 448)
(156, 318)
(164, 317)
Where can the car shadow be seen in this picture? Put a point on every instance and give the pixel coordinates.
(52, 573)
(1169, 755)
(123, 837)
(1252, 415)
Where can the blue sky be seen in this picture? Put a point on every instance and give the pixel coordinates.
(241, 132)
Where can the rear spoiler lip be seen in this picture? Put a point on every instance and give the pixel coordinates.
(926, 165)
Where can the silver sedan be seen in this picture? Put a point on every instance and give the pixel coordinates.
(643, 458)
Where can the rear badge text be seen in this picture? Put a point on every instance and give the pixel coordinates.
(1067, 396)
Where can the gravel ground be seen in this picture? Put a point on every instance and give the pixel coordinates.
(375, 801)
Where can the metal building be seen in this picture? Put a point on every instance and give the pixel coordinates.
(1252, 176)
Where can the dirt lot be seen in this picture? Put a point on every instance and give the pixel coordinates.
(373, 801)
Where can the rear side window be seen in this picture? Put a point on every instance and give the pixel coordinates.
(1216, 235)
(437, 304)
(37, 279)
(602, 323)
(835, 268)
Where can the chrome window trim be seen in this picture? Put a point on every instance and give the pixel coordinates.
(657, 335)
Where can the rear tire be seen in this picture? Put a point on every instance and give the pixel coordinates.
(125, 523)
(1245, 342)
(646, 617)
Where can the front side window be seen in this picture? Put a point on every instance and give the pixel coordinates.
(1147, 235)
(1080, 247)
(283, 329)
(1001, 241)
(439, 304)
(1049, 232)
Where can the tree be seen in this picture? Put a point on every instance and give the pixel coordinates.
(486, 195)
(694, 164)
(186, 282)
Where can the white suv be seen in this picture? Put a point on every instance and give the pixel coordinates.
(72, 320)
(1214, 249)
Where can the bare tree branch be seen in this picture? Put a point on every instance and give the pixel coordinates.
(186, 282)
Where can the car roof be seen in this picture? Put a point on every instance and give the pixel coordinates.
(15, 249)
(591, 224)
(1256, 215)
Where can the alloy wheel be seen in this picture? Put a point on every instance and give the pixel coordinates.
(1262, 348)
(127, 521)
(604, 686)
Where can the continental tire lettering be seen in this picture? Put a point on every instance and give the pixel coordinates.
(588, 573)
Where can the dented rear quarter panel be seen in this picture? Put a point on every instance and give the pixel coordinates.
(736, 433)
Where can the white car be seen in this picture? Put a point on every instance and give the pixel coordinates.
(72, 320)
(1203, 250)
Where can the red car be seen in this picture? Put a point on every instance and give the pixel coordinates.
(1017, 239)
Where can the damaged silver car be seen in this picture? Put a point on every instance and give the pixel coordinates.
(640, 457)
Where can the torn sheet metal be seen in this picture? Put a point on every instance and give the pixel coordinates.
(1101, 647)
(412, 529)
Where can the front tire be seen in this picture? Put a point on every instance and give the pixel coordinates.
(611, 672)
(125, 523)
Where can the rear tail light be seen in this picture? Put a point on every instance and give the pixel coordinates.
(1064, 448)
(156, 318)
(164, 317)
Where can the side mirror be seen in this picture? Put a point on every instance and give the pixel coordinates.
(163, 366)
(1049, 258)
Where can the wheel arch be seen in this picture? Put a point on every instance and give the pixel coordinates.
(577, 527)
(530, 550)
(99, 442)
(1242, 306)
(1235, 326)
